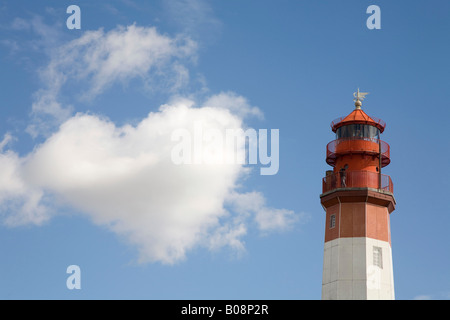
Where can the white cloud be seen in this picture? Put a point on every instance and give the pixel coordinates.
(47, 35)
(122, 54)
(422, 297)
(270, 219)
(442, 295)
(124, 177)
(267, 219)
(20, 200)
(235, 103)
(20, 24)
(98, 59)
(194, 17)
(6, 139)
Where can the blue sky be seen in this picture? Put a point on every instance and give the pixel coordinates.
(84, 144)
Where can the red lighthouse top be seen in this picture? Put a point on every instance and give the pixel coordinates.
(358, 152)
(358, 116)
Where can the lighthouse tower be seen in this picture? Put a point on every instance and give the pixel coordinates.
(358, 199)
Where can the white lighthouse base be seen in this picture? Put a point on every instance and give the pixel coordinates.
(357, 269)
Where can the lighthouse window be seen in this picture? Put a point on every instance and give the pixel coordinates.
(359, 131)
(332, 221)
(378, 257)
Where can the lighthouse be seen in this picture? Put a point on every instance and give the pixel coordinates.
(358, 200)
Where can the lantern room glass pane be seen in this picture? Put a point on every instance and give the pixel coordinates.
(358, 131)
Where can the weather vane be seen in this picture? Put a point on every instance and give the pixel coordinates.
(359, 97)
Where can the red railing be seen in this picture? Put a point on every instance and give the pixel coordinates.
(380, 122)
(358, 145)
(357, 179)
